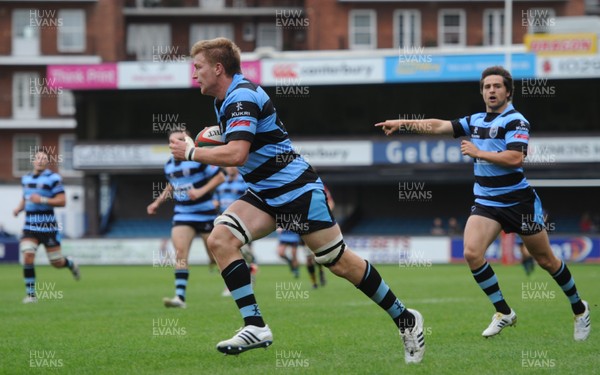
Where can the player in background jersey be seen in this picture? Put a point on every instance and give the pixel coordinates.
(191, 185)
(527, 260)
(42, 191)
(227, 193)
(504, 200)
(283, 191)
(289, 239)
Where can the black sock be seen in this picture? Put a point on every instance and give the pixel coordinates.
(406, 320)
(488, 282)
(29, 276)
(377, 290)
(181, 281)
(68, 263)
(567, 283)
(311, 269)
(237, 279)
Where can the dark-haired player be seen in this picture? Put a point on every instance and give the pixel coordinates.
(504, 200)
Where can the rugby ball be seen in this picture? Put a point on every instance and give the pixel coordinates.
(209, 137)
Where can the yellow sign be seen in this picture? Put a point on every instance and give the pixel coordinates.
(562, 44)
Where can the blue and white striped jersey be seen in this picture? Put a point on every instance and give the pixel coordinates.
(230, 190)
(496, 185)
(273, 171)
(40, 217)
(185, 175)
(289, 237)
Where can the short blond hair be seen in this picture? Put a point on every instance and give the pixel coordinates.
(220, 50)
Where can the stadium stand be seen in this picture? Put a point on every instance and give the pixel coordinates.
(137, 228)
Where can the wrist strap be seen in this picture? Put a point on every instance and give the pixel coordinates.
(190, 155)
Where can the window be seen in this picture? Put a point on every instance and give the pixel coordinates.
(148, 40)
(66, 102)
(538, 20)
(493, 27)
(363, 31)
(210, 31)
(248, 32)
(407, 28)
(212, 4)
(269, 35)
(71, 35)
(66, 143)
(23, 147)
(25, 33)
(25, 95)
(452, 30)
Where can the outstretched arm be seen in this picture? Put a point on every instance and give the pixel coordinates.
(424, 126)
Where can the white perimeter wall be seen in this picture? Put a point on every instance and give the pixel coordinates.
(70, 218)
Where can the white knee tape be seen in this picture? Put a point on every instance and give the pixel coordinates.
(235, 225)
(245, 249)
(329, 254)
(26, 246)
(54, 256)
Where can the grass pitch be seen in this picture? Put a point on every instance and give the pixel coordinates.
(113, 322)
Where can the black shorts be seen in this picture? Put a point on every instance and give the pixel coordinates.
(524, 218)
(198, 226)
(48, 239)
(306, 214)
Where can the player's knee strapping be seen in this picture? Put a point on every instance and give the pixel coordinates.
(329, 254)
(247, 253)
(55, 256)
(235, 225)
(28, 247)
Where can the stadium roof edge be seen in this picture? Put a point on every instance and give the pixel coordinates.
(262, 54)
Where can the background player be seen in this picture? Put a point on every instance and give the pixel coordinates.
(191, 185)
(527, 260)
(291, 240)
(503, 198)
(282, 185)
(42, 191)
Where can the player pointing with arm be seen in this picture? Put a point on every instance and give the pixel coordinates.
(283, 191)
(503, 198)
